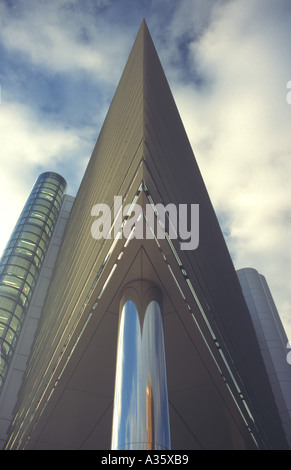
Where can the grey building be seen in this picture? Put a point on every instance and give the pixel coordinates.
(272, 340)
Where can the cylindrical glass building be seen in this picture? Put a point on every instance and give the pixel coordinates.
(23, 257)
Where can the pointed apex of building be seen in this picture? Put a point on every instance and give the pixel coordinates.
(143, 24)
(143, 33)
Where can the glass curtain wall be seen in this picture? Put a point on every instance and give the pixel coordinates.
(23, 257)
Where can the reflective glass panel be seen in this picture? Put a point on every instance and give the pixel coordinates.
(22, 260)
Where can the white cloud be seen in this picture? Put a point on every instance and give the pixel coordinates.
(239, 127)
(29, 145)
(64, 37)
(48, 142)
(59, 38)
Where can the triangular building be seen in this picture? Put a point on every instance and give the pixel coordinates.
(144, 340)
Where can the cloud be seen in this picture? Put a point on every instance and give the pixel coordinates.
(66, 36)
(30, 145)
(53, 57)
(238, 122)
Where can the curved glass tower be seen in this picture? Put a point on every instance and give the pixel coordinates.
(23, 257)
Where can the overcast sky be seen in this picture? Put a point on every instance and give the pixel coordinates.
(228, 64)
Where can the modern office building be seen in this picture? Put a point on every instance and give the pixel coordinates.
(272, 340)
(142, 343)
(26, 271)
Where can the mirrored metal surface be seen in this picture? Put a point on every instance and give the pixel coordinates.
(140, 417)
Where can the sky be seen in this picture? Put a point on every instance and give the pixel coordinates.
(228, 63)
